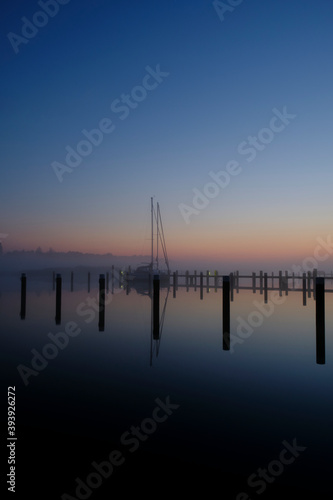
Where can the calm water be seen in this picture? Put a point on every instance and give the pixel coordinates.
(231, 414)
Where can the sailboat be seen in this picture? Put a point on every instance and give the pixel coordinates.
(148, 271)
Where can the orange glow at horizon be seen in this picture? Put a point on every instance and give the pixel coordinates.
(234, 243)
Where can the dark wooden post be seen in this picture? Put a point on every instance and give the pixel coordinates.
(226, 313)
(286, 287)
(314, 277)
(320, 320)
(309, 284)
(261, 282)
(254, 282)
(304, 289)
(201, 285)
(174, 285)
(23, 295)
(232, 280)
(265, 288)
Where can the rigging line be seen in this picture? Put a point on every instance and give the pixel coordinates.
(163, 244)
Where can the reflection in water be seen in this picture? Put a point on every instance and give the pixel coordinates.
(269, 390)
(157, 320)
(228, 284)
(226, 313)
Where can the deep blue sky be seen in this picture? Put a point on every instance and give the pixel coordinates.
(224, 80)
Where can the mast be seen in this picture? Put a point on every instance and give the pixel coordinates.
(152, 234)
(157, 233)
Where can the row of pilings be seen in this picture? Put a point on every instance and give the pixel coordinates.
(228, 284)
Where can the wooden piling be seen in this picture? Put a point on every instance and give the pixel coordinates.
(261, 282)
(195, 281)
(320, 320)
(23, 295)
(201, 285)
(286, 286)
(207, 281)
(254, 282)
(304, 289)
(314, 277)
(58, 299)
(280, 283)
(265, 288)
(174, 285)
(232, 283)
(226, 313)
(309, 284)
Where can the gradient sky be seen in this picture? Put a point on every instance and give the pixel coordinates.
(225, 78)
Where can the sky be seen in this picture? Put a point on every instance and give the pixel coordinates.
(223, 114)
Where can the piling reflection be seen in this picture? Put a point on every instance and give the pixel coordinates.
(320, 320)
(307, 285)
(226, 313)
